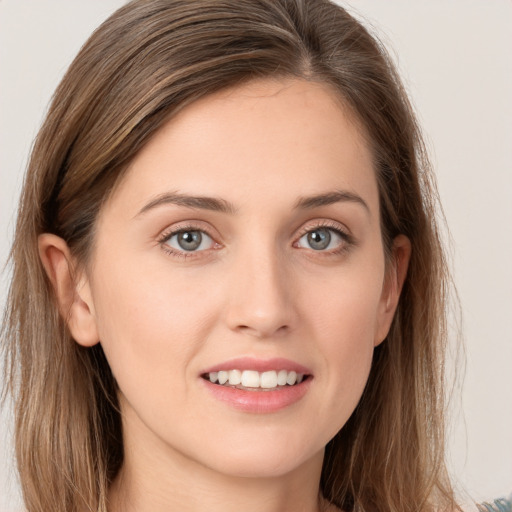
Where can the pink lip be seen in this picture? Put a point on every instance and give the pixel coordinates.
(261, 401)
(259, 365)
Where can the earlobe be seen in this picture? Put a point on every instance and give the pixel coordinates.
(394, 281)
(72, 292)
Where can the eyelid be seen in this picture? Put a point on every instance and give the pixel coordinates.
(193, 225)
(341, 230)
(188, 225)
(180, 227)
(325, 223)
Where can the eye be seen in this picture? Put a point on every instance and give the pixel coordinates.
(322, 239)
(189, 240)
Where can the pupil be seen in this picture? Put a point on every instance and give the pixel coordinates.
(189, 240)
(319, 239)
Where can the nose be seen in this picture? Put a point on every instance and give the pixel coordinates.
(261, 299)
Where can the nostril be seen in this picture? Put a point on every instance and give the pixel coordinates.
(263, 331)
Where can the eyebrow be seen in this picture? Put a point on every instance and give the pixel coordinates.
(221, 205)
(195, 202)
(338, 196)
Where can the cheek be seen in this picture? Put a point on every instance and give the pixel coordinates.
(151, 325)
(345, 305)
(347, 337)
(345, 316)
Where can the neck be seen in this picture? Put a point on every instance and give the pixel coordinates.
(153, 479)
(201, 491)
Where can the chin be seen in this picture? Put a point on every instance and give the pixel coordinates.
(257, 461)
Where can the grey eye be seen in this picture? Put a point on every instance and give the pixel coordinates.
(188, 241)
(319, 239)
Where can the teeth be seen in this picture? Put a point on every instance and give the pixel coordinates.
(235, 377)
(253, 379)
(268, 380)
(281, 378)
(250, 379)
(292, 378)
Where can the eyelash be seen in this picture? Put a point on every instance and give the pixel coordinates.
(348, 240)
(168, 234)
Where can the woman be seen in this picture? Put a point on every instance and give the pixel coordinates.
(229, 191)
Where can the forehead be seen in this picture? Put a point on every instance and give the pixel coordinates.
(278, 139)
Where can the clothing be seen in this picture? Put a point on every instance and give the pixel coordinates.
(499, 505)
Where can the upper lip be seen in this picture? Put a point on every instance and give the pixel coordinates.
(259, 365)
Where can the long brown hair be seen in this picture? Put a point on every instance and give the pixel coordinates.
(144, 64)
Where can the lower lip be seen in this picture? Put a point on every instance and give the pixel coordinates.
(260, 402)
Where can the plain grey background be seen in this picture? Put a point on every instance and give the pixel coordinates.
(455, 57)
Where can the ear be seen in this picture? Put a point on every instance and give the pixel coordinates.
(393, 283)
(72, 291)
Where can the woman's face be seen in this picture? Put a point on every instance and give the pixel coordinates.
(243, 243)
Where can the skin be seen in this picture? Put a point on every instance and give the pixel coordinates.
(256, 287)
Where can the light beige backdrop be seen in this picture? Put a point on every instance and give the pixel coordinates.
(456, 60)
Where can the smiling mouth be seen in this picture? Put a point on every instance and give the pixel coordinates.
(251, 380)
